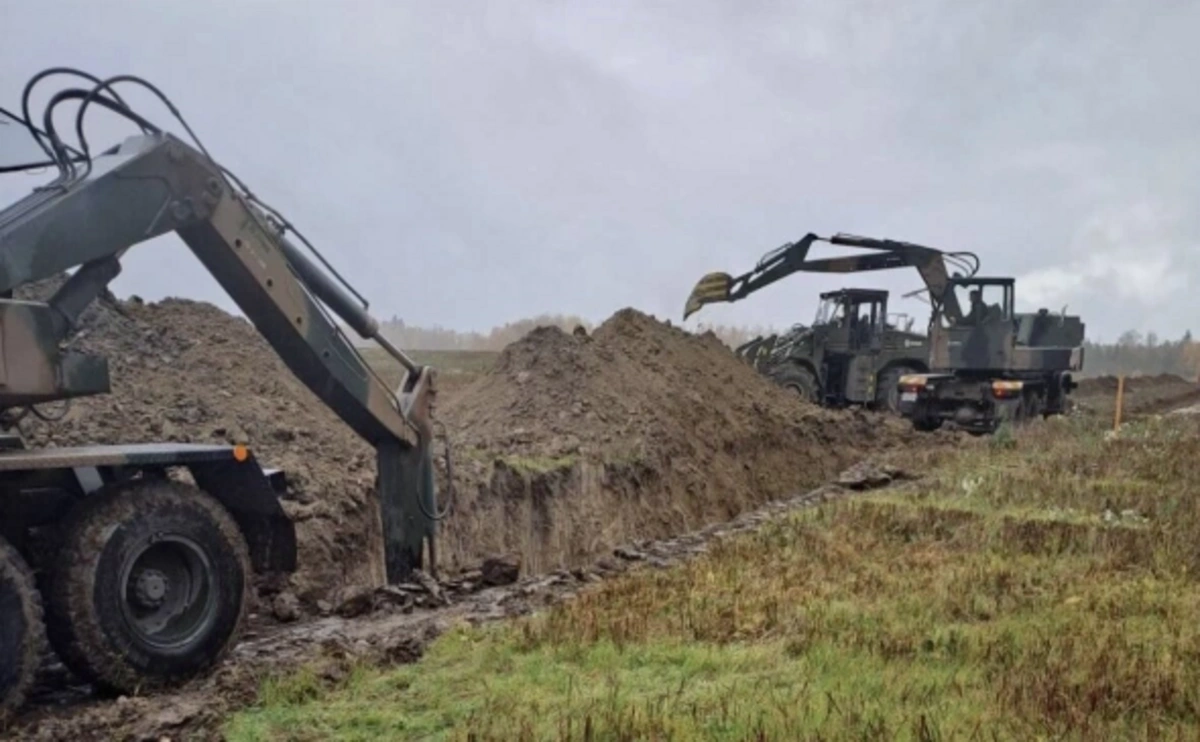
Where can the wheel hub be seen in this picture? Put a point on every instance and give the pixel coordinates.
(169, 592)
(150, 588)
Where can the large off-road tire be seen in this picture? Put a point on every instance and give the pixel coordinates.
(22, 635)
(150, 588)
(799, 380)
(887, 388)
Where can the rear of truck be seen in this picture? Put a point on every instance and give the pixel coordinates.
(994, 365)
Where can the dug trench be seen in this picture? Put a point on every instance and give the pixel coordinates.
(571, 446)
(391, 626)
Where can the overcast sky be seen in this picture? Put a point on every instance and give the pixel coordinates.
(467, 164)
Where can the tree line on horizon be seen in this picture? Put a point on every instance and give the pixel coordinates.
(1132, 353)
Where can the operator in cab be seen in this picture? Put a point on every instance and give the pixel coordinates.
(978, 311)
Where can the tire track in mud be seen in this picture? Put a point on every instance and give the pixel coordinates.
(395, 630)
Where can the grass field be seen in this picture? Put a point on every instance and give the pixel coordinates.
(1041, 587)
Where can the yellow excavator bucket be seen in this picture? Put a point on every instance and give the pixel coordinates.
(713, 287)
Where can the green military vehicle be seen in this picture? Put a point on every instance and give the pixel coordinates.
(852, 353)
(145, 577)
(983, 367)
(991, 364)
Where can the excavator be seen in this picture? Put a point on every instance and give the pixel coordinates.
(851, 354)
(982, 367)
(154, 545)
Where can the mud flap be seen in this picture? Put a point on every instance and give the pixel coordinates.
(407, 502)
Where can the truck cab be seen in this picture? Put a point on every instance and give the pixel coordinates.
(993, 364)
(851, 354)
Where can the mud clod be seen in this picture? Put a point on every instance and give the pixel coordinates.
(497, 571)
(286, 607)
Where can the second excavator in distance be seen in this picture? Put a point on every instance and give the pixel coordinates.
(976, 368)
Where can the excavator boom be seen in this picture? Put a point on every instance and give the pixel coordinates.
(149, 582)
(155, 183)
(793, 257)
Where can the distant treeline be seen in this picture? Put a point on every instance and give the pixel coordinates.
(1132, 353)
(1135, 353)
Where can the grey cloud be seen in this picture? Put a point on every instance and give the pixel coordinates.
(469, 167)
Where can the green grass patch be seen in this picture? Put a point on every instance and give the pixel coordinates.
(998, 601)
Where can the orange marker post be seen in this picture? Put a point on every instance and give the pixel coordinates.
(1120, 401)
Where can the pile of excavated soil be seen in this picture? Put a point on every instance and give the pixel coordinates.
(573, 443)
(1149, 394)
(569, 446)
(190, 372)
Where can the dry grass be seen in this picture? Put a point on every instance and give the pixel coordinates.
(1040, 588)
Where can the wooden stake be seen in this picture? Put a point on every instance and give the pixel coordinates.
(1120, 401)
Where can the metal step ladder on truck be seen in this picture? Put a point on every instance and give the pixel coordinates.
(139, 579)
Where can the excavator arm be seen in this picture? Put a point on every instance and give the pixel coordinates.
(153, 184)
(793, 257)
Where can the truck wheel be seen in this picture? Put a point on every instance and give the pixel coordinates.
(799, 380)
(22, 635)
(887, 388)
(150, 587)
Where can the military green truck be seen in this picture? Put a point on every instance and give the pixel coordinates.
(991, 364)
(852, 353)
(985, 366)
(135, 560)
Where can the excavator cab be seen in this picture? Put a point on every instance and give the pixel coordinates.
(982, 338)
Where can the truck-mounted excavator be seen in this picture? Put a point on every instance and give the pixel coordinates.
(148, 579)
(851, 354)
(983, 366)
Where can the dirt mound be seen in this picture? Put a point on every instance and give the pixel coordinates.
(569, 445)
(573, 442)
(188, 371)
(1149, 394)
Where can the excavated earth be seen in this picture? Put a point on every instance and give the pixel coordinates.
(573, 443)
(571, 446)
(1144, 394)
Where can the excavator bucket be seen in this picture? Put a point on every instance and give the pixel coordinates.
(712, 288)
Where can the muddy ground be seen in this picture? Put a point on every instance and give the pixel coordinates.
(388, 627)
